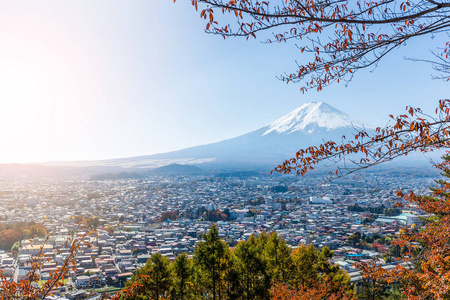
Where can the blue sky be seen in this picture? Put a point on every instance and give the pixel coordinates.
(105, 79)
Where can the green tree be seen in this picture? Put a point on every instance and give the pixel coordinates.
(311, 265)
(155, 279)
(110, 229)
(94, 221)
(183, 270)
(251, 265)
(394, 294)
(370, 289)
(212, 256)
(354, 239)
(304, 268)
(233, 278)
(278, 255)
(15, 248)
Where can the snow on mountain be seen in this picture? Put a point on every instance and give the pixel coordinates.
(309, 116)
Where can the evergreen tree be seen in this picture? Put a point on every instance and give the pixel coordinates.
(279, 261)
(155, 278)
(233, 278)
(262, 267)
(304, 266)
(252, 269)
(182, 284)
(310, 265)
(370, 289)
(212, 256)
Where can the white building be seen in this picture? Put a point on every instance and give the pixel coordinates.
(316, 200)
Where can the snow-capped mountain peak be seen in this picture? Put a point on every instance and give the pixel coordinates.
(311, 116)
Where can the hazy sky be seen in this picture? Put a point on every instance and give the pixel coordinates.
(105, 79)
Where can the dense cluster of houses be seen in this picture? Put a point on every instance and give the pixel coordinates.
(127, 216)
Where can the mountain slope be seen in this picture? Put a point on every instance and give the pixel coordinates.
(310, 124)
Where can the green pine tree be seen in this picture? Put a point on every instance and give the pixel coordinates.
(183, 270)
(212, 257)
(157, 284)
(252, 268)
(278, 255)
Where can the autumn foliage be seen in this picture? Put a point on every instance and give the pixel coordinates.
(12, 233)
(427, 270)
(317, 291)
(411, 132)
(168, 215)
(341, 36)
(28, 288)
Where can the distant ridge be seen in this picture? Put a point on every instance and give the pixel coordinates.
(239, 174)
(114, 176)
(177, 169)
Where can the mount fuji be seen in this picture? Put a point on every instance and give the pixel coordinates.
(260, 150)
(310, 124)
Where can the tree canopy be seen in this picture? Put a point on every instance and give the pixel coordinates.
(154, 278)
(343, 36)
(427, 250)
(262, 267)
